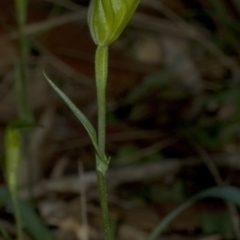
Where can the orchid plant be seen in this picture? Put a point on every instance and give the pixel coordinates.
(106, 19)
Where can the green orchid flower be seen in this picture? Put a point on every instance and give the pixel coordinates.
(108, 18)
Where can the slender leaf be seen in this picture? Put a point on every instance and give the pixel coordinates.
(227, 193)
(86, 123)
(31, 221)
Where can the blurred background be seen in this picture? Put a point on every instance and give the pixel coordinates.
(173, 121)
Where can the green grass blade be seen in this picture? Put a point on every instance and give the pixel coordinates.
(86, 123)
(31, 221)
(227, 193)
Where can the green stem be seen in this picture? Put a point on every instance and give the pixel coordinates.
(20, 86)
(101, 65)
(22, 75)
(104, 205)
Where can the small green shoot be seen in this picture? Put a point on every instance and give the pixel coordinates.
(12, 158)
